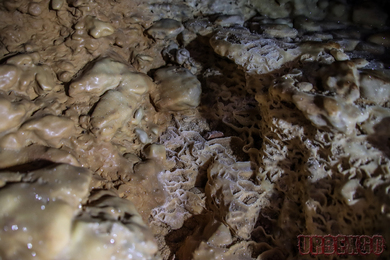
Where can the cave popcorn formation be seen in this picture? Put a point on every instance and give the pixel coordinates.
(191, 129)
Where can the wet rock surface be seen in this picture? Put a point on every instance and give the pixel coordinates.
(191, 129)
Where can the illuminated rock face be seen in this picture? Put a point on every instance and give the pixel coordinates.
(41, 218)
(165, 28)
(24, 75)
(253, 52)
(192, 129)
(177, 89)
(37, 212)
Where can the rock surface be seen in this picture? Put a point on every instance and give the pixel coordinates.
(191, 129)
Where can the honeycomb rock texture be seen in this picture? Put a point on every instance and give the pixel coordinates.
(253, 52)
(193, 130)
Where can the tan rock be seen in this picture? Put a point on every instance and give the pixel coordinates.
(177, 89)
(165, 28)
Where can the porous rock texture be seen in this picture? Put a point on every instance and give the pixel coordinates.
(192, 129)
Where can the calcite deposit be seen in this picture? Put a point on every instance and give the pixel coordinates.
(200, 130)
